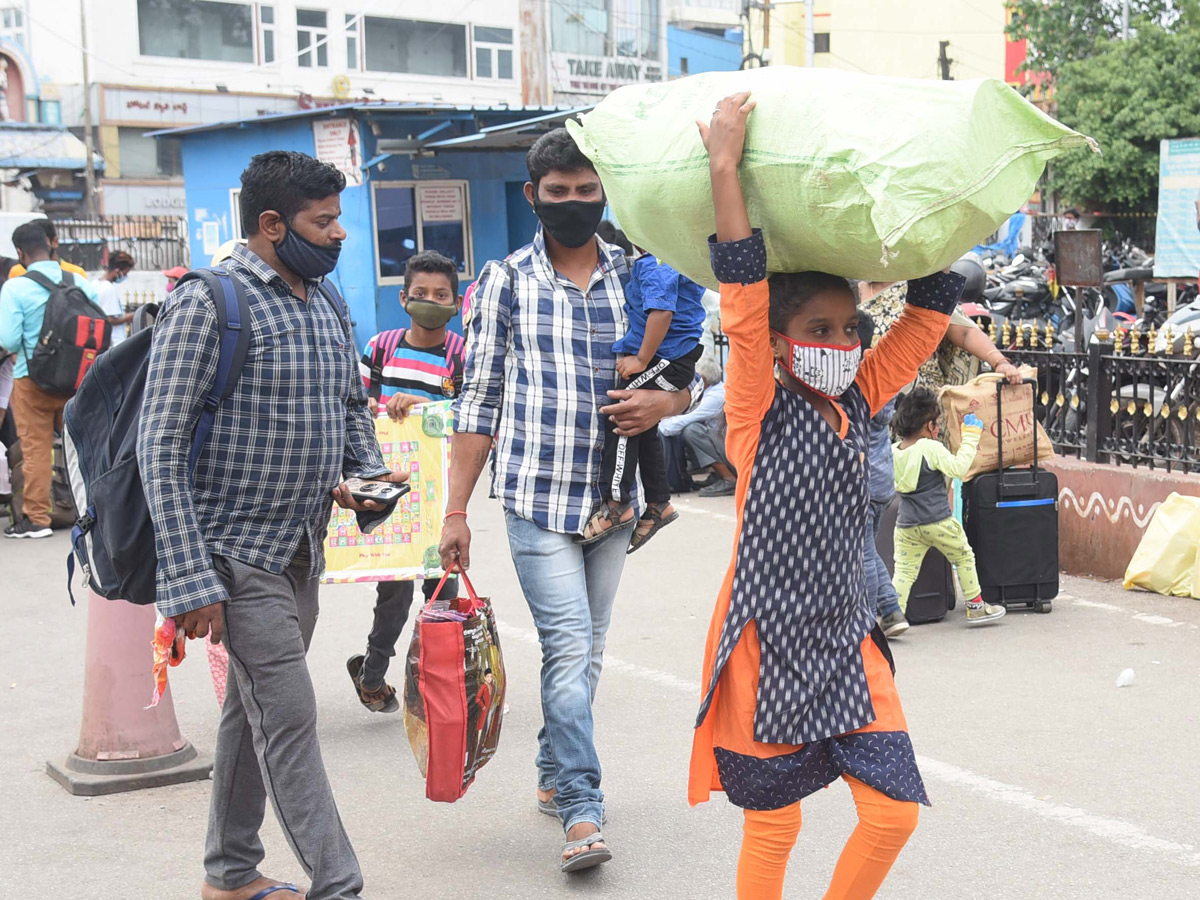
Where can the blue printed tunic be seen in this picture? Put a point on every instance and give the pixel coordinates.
(799, 687)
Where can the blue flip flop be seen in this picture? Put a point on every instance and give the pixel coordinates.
(588, 858)
(267, 891)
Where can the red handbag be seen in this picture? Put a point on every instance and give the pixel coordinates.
(454, 690)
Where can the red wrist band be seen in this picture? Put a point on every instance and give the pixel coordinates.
(457, 512)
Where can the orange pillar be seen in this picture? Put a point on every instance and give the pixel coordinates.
(122, 745)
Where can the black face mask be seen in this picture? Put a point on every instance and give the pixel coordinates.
(306, 259)
(572, 222)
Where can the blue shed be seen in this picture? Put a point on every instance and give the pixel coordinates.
(419, 177)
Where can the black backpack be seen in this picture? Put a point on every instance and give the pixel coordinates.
(114, 537)
(75, 331)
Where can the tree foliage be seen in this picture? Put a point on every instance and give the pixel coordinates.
(1065, 31)
(1128, 96)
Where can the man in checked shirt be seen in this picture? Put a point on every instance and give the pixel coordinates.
(539, 379)
(240, 538)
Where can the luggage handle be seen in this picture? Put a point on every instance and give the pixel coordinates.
(476, 603)
(1000, 385)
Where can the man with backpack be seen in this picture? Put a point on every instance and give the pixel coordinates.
(52, 236)
(401, 369)
(54, 343)
(240, 534)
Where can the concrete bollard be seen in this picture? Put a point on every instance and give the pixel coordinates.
(122, 745)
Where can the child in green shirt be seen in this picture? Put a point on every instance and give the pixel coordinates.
(922, 465)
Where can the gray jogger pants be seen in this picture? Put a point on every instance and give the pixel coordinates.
(267, 740)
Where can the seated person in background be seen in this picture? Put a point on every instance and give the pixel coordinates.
(701, 433)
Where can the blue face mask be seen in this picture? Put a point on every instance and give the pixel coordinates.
(306, 259)
(120, 278)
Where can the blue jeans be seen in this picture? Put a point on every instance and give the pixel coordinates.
(879, 582)
(570, 590)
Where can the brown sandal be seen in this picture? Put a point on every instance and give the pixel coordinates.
(653, 515)
(611, 514)
(382, 699)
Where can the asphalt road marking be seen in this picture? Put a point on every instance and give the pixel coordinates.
(1145, 618)
(1115, 831)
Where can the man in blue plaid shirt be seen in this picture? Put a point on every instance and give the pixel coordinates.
(241, 538)
(539, 379)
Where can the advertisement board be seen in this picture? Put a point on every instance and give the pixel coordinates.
(1177, 229)
(405, 546)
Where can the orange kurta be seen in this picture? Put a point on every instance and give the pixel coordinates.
(749, 394)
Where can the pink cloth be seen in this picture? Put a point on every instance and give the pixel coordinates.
(218, 664)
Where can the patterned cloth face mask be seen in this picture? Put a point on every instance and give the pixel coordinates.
(827, 369)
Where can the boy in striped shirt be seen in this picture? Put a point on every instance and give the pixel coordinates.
(401, 369)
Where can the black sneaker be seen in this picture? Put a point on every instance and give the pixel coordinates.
(26, 529)
(720, 488)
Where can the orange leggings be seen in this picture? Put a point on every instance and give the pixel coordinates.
(884, 827)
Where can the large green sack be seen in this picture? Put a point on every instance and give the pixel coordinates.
(881, 179)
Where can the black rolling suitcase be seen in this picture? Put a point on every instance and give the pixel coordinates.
(1011, 520)
(932, 596)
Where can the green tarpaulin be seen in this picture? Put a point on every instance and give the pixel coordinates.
(881, 179)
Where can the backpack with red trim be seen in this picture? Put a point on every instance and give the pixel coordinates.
(74, 332)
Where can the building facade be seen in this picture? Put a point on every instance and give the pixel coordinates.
(156, 64)
(902, 38)
(418, 177)
(162, 64)
(704, 36)
(589, 48)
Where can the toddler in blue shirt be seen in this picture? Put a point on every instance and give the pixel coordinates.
(658, 352)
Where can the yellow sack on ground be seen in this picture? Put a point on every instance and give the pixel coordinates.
(1165, 561)
(978, 396)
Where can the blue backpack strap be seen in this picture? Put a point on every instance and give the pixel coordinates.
(233, 329)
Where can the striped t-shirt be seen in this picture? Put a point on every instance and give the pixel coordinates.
(432, 373)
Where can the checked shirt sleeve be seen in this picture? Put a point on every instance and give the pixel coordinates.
(183, 366)
(477, 409)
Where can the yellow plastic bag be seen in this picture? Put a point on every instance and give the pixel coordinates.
(1165, 561)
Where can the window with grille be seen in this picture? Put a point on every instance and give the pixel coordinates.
(266, 33)
(353, 40)
(493, 53)
(312, 38)
(414, 47)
